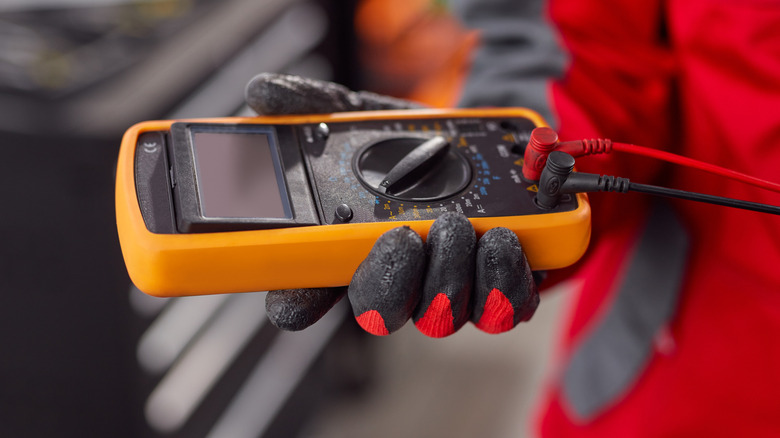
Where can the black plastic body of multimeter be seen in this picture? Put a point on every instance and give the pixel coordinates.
(314, 171)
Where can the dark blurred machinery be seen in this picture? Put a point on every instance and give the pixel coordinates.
(84, 353)
(93, 70)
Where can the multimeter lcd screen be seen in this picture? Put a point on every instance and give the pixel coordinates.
(238, 176)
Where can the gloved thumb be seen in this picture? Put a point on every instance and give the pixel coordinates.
(296, 309)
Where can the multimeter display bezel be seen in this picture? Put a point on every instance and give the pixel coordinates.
(188, 181)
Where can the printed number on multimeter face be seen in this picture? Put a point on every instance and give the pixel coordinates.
(307, 178)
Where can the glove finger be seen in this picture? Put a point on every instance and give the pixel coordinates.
(296, 309)
(449, 279)
(274, 94)
(505, 291)
(386, 286)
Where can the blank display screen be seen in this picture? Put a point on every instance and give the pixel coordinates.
(238, 176)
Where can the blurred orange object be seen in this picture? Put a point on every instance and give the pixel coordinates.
(413, 49)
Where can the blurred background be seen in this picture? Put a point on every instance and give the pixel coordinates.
(83, 353)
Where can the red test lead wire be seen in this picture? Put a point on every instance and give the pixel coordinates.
(538, 155)
(700, 165)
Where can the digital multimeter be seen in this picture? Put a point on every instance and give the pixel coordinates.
(249, 204)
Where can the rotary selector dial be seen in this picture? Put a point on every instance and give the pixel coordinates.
(412, 168)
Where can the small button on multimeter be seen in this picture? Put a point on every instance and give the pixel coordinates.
(322, 131)
(344, 213)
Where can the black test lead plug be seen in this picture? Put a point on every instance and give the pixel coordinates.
(558, 178)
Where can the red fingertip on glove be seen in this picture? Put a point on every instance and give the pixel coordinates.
(373, 323)
(437, 321)
(498, 315)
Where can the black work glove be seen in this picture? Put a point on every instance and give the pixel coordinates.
(441, 284)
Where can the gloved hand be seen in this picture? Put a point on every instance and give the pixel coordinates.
(441, 284)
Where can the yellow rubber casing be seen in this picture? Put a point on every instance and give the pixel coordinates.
(169, 265)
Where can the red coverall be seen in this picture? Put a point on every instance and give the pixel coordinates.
(676, 328)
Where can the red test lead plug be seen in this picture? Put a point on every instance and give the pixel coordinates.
(545, 140)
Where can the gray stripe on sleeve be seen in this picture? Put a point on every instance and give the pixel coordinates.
(518, 55)
(605, 365)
